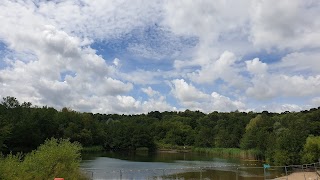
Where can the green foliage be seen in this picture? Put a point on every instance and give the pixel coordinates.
(10, 102)
(5, 129)
(311, 150)
(10, 167)
(258, 133)
(55, 158)
(97, 148)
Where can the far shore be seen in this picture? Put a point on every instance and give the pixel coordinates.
(173, 151)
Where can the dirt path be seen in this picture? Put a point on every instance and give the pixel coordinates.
(301, 176)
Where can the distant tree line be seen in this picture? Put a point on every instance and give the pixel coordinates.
(285, 138)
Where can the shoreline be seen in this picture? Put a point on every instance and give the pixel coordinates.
(300, 175)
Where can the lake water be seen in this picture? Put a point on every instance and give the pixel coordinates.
(166, 165)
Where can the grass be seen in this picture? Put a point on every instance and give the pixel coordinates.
(229, 152)
(169, 147)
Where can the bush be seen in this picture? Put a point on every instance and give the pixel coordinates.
(10, 167)
(55, 158)
(311, 151)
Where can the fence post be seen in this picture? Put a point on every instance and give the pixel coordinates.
(285, 168)
(304, 174)
(176, 175)
(120, 174)
(237, 173)
(200, 174)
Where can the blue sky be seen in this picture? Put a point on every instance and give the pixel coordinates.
(139, 56)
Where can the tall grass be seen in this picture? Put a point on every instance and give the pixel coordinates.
(230, 152)
(170, 147)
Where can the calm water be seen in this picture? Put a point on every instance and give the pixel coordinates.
(168, 166)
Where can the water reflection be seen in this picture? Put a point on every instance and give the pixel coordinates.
(164, 165)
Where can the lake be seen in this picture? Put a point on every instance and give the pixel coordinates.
(166, 165)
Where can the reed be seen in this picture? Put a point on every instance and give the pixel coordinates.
(230, 152)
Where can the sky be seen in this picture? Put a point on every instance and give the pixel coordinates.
(137, 56)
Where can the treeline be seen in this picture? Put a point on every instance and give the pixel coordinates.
(279, 138)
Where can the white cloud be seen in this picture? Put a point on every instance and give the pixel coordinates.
(285, 24)
(158, 104)
(271, 85)
(141, 76)
(111, 86)
(300, 61)
(220, 25)
(281, 108)
(187, 92)
(225, 104)
(257, 67)
(61, 69)
(100, 19)
(194, 99)
(315, 102)
(205, 19)
(223, 68)
(149, 91)
(116, 62)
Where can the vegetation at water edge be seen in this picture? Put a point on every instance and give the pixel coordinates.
(54, 158)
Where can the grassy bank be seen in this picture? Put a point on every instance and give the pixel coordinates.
(170, 147)
(229, 152)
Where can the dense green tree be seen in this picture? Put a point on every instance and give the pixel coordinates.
(311, 150)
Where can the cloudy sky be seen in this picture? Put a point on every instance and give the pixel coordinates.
(144, 55)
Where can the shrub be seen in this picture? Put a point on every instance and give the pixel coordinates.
(54, 158)
(311, 151)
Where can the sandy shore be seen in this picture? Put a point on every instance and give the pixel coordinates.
(301, 176)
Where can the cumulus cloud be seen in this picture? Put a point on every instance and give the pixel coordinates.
(149, 91)
(257, 67)
(57, 53)
(223, 68)
(159, 104)
(192, 98)
(62, 68)
(187, 92)
(270, 85)
(223, 103)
